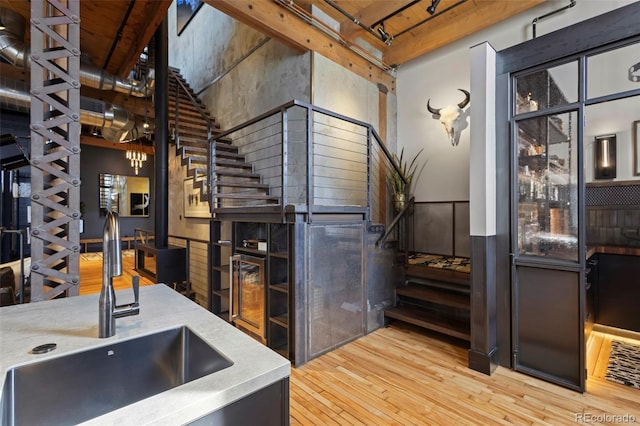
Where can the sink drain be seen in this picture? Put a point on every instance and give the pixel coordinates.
(43, 349)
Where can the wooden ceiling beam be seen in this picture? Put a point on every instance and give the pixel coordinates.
(148, 17)
(469, 17)
(278, 22)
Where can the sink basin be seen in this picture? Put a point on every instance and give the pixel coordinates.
(77, 387)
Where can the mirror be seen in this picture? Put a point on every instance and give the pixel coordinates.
(125, 195)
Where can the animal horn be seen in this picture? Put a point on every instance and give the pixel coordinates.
(466, 99)
(432, 110)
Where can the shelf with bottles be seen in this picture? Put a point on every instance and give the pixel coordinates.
(538, 91)
(251, 237)
(535, 187)
(547, 130)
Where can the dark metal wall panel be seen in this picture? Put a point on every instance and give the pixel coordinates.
(442, 228)
(611, 27)
(503, 224)
(549, 325)
(433, 230)
(380, 279)
(483, 351)
(334, 287)
(461, 230)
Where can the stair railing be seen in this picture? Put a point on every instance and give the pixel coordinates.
(180, 86)
(143, 236)
(194, 102)
(396, 221)
(346, 163)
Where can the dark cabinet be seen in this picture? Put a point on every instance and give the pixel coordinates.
(270, 244)
(618, 291)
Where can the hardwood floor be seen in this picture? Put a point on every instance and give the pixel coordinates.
(91, 273)
(400, 375)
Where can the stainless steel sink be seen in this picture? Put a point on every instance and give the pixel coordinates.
(73, 388)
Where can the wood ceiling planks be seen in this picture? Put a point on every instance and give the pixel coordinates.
(103, 26)
(466, 19)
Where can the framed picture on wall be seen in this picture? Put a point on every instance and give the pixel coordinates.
(635, 141)
(194, 206)
(139, 204)
(186, 10)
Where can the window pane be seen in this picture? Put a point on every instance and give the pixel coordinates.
(547, 88)
(547, 189)
(613, 71)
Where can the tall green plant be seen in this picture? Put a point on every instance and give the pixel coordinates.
(408, 169)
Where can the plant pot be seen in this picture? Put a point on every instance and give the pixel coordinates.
(398, 202)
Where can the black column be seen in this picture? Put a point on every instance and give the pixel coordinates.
(161, 156)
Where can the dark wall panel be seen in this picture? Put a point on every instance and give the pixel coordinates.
(95, 160)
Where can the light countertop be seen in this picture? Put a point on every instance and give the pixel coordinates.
(72, 323)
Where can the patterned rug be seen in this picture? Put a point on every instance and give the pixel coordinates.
(461, 264)
(97, 255)
(624, 364)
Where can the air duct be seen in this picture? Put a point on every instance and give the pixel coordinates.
(14, 51)
(117, 124)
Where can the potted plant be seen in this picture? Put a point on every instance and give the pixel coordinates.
(402, 187)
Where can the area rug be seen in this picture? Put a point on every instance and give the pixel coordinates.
(97, 255)
(461, 264)
(624, 364)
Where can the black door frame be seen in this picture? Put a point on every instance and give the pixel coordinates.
(617, 26)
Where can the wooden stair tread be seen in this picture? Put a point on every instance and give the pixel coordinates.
(254, 185)
(233, 164)
(441, 297)
(430, 321)
(464, 288)
(246, 195)
(195, 134)
(440, 274)
(230, 155)
(234, 173)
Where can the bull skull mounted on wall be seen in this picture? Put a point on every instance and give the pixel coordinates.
(450, 117)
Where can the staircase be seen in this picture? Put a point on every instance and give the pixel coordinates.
(435, 299)
(191, 127)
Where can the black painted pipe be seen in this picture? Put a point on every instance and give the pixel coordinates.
(161, 141)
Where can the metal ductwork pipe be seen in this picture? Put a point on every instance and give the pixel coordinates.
(14, 51)
(117, 124)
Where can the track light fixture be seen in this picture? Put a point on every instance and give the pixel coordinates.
(2, 27)
(432, 9)
(384, 36)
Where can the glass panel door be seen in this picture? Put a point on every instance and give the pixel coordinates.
(547, 187)
(249, 293)
(547, 287)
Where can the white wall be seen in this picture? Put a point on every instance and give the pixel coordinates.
(439, 74)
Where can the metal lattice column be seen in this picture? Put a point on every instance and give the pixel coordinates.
(55, 148)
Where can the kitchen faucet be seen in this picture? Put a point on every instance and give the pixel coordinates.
(112, 267)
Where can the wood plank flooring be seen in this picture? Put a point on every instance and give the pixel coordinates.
(91, 273)
(400, 375)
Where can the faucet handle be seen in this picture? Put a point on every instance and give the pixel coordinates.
(135, 283)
